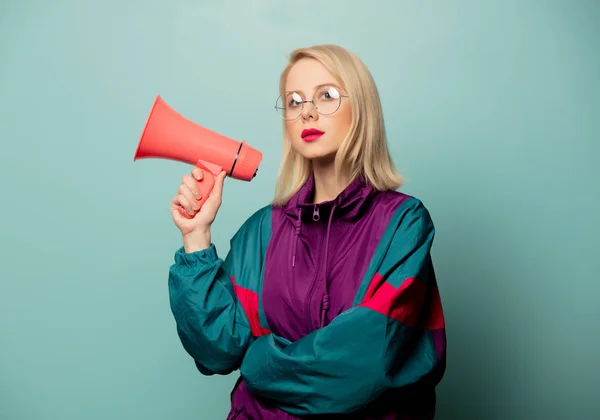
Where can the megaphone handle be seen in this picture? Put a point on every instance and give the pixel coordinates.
(206, 184)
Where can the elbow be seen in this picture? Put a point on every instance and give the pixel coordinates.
(213, 353)
(210, 369)
(212, 359)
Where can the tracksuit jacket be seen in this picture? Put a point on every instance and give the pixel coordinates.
(327, 310)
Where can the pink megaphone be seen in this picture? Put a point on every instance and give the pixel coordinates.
(168, 135)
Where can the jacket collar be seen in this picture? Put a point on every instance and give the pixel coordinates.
(349, 204)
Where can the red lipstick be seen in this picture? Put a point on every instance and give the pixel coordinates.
(311, 134)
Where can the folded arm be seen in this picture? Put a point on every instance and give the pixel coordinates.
(393, 338)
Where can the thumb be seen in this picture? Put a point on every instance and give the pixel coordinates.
(217, 191)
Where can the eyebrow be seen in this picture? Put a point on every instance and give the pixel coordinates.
(316, 87)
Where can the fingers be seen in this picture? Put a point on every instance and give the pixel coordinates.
(177, 211)
(187, 199)
(217, 191)
(192, 185)
(189, 192)
(197, 173)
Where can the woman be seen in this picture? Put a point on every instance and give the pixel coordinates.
(327, 301)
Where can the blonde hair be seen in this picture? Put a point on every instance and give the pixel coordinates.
(364, 151)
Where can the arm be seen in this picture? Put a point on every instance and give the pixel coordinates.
(213, 324)
(386, 341)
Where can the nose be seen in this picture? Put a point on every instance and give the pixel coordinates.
(309, 110)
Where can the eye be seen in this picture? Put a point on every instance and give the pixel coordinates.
(331, 93)
(294, 99)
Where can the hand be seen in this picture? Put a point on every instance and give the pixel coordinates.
(188, 196)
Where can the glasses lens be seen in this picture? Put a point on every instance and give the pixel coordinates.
(290, 106)
(327, 100)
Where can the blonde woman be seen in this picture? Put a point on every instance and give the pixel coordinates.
(327, 301)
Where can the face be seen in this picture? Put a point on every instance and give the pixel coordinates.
(308, 79)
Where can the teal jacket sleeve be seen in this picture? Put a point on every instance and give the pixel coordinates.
(214, 325)
(393, 337)
(211, 324)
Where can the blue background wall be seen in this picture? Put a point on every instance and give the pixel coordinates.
(493, 114)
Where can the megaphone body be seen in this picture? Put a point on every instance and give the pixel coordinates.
(168, 135)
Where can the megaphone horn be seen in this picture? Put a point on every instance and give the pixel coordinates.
(169, 135)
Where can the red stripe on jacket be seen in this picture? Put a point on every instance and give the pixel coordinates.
(405, 304)
(249, 301)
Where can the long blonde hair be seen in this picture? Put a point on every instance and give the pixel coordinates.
(364, 151)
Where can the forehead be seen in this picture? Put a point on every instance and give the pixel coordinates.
(307, 74)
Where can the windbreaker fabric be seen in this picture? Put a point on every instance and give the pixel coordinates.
(328, 310)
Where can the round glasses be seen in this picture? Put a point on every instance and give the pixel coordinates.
(327, 100)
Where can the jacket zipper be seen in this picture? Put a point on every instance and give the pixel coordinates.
(316, 215)
(311, 291)
(324, 303)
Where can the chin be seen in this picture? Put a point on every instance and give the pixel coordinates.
(314, 151)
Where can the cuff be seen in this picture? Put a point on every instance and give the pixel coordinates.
(192, 259)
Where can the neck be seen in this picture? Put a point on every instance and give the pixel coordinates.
(327, 185)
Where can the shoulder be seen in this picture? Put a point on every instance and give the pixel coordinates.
(409, 214)
(259, 216)
(256, 226)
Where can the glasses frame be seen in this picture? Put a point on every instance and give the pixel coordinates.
(302, 107)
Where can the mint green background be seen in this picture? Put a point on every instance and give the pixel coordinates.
(493, 114)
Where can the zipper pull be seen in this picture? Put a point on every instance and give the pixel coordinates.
(316, 215)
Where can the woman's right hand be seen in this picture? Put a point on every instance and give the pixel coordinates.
(187, 197)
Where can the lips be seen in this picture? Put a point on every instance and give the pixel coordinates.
(311, 134)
